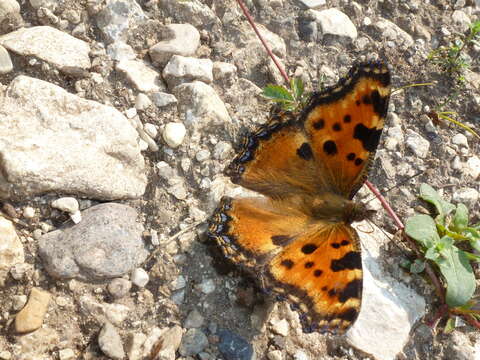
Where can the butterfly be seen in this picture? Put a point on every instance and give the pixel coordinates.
(295, 238)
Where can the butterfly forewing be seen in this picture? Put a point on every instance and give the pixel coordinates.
(344, 125)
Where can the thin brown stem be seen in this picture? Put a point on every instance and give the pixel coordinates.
(265, 45)
(385, 205)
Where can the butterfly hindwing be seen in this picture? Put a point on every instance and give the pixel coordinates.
(344, 124)
(321, 275)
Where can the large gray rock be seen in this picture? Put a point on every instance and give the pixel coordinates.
(117, 17)
(54, 141)
(106, 244)
(389, 307)
(65, 52)
(201, 105)
(178, 39)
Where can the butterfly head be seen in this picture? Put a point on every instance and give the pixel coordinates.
(357, 211)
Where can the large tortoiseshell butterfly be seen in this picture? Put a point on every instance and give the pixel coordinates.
(296, 238)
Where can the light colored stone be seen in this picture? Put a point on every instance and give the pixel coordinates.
(119, 51)
(162, 99)
(28, 212)
(11, 249)
(151, 130)
(279, 326)
(142, 76)
(134, 346)
(460, 140)
(173, 134)
(142, 102)
(417, 144)
(202, 155)
(194, 320)
(169, 338)
(193, 12)
(313, 4)
(5, 61)
(222, 70)
(178, 39)
(300, 355)
(5, 355)
(201, 105)
(140, 277)
(66, 354)
(275, 355)
(67, 204)
(110, 342)
(118, 17)
(103, 312)
(119, 287)
(473, 167)
(461, 20)
(392, 32)
(333, 22)
(9, 8)
(193, 342)
(79, 146)
(181, 69)
(389, 308)
(467, 196)
(30, 318)
(18, 302)
(67, 53)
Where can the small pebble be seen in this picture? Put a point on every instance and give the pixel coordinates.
(28, 212)
(460, 140)
(207, 286)
(193, 342)
(19, 302)
(142, 102)
(174, 133)
(140, 277)
(151, 130)
(67, 204)
(300, 355)
(66, 354)
(194, 320)
(30, 318)
(202, 155)
(119, 287)
(130, 113)
(110, 342)
(234, 347)
(19, 271)
(280, 327)
(5, 355)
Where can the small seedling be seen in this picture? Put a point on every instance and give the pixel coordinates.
(452, 58)
(446, 240)
(292, 99)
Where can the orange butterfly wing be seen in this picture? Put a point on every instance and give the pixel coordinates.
(344, 125)
(319, 158)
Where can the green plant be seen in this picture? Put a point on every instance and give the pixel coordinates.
(292, 99)
(452, 58)
(446, 240)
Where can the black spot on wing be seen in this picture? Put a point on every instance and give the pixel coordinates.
(347, 119)
(335, 245)
(287, 263)
(336, 127)
(358, 161)
(330, 148)
(280, 240)
(348, 315)
(352, 290)
(318, 125)
(351, 156)
(309, 264)
(350, 261)
(368, 137)
(305, 151)
(309, 248)
(380, 103)
(317, 273)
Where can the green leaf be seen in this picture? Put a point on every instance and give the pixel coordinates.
(422, 228)
(296, 84)
(417, 266)
(472, 257)
(460, 219)
(475, 244)
(432, 253)
(450, 325)
(443, 207)
(458, 274)
(277, 93)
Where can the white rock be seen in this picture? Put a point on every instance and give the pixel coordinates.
(142, 102)
(140, 277)
(313, 4)
(181, 69)
(279, 326)
(11, 249)
(222, 150)
(202, 155)
(110, 342)
(467, 196)
(117, 17)
(48, 4)
(173, 134)
(130, 113)
(193, 12)
(142, 76)
(66, 354)
(207, 286)
(392, 32)
(473, 167)
(417, 144)
(222, 70)
(334, 22)
(178, 283)
(67, 204)
(151, 130)
(5, 355)
(300, 355)
(461, 20)
(67, 53)
(178, 190)
(134, 345)
(92, 148)
(460, 140)
(19, 271)
(8, 8)
(5, 61)
(275, 355)
(28, 212)
(162, 99)
(178, 39)
(102, 312)
(389, 308)
(19, 302)
(201, 105)
(119, 51)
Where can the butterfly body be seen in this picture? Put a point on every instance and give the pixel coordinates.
(296, 238)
